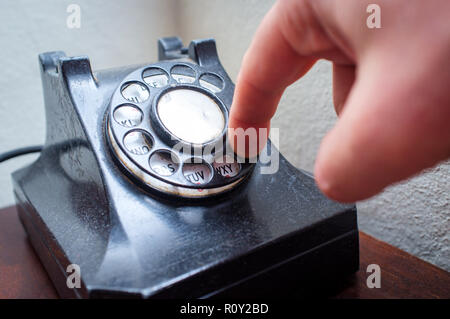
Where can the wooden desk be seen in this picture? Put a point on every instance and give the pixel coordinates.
(402, 275)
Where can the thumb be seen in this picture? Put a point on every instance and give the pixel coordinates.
(394, 124)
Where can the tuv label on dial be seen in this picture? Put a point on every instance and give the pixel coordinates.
(198, 174)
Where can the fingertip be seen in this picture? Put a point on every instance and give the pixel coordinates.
(332, 178)
(247, 140)
(326, 183)
(332, 187)
(338, 179)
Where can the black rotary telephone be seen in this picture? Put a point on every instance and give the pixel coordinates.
(137, 187)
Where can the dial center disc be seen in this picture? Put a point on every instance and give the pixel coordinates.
(191, 116)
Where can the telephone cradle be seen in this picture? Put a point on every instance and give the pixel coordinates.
(111, 197)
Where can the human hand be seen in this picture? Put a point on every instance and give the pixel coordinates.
(391, 86)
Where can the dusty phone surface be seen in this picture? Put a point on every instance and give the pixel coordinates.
(137, 187)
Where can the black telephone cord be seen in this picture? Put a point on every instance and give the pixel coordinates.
(20, 151)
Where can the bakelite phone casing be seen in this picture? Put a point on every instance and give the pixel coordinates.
(271, 235)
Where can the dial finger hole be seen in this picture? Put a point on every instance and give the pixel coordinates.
(183, 74)
(135, 92)
(138, 142)
(155, 77)
(226, 166)
(211, 82)
(197, 173)
(128, 115)
(164, 163)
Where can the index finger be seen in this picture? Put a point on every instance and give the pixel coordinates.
(271, 63)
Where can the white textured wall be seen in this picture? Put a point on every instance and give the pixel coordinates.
(414, 215)
(112, 33)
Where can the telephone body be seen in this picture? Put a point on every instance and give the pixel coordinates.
(110, 195)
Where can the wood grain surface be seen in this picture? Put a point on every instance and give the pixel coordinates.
(402, 275)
